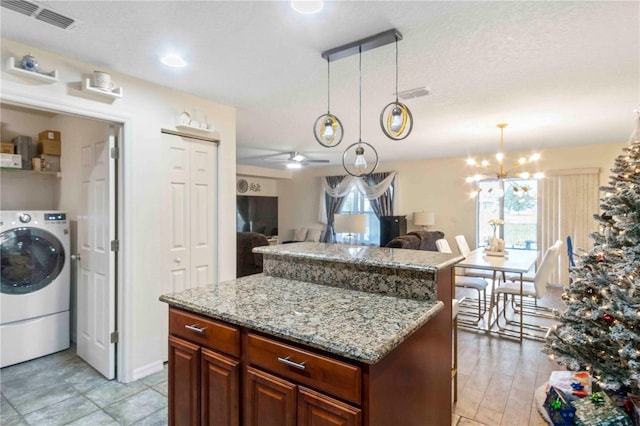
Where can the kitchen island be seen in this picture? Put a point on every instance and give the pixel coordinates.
(329, 334)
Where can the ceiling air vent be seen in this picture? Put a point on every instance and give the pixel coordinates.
(20, 6)
(39, 12)
(53, 18)
(414, 93)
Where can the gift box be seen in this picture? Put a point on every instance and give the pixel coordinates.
(561, 412)
(574, 384)
(598, 410)
(634, 402)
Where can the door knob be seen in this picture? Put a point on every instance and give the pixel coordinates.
(75, 257)
(176, 260)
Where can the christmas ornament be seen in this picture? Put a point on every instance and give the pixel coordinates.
(600, 257)
(607, 318)
(590, 291)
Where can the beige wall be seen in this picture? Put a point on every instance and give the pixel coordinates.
(436, 185)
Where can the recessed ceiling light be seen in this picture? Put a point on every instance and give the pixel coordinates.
(307, 7)
(173, 60)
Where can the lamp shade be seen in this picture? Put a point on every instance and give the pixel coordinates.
(424, 218)
(350, 223)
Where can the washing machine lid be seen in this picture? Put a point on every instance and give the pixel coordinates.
(31, 258)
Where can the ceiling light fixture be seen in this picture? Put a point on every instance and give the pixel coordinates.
(359, 159)
(328, 128)
(396, 119)
(173, 60)
(307, 7)
(359, 166)
(501, 174)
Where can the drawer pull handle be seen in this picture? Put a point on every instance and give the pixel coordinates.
(193, 327)
(290, 363)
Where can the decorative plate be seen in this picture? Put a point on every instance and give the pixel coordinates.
(242, 186)
(29, 63)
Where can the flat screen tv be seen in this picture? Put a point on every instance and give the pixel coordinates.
(257, 214)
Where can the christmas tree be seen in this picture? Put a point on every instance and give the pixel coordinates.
(600, 329)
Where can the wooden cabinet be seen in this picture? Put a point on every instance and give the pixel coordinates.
(270, 400)
(204, 384)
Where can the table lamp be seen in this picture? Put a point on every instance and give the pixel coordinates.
(350, 224)
(424, 219)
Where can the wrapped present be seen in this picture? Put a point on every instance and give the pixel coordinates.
(634, 402)
(574, 384)
(561, 412)
(598, 410)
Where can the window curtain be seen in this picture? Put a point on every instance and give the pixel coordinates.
(335, 188)
(568, 200)
(382, 205)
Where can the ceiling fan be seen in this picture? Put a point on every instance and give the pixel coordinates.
(294, 159)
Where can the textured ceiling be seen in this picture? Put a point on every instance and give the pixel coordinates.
(560, 73)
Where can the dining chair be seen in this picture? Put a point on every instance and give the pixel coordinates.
(535, 290)
(455, 309)
(464, 249)
(474, 283)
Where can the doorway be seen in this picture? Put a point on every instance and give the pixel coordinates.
(85, 139)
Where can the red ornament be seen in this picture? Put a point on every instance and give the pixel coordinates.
(607, 318)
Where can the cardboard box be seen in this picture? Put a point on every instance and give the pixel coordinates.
(49, 135)
(12, 161)
(49, 147)
(7, 148)
(50, 163)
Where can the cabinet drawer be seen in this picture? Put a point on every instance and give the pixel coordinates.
(204, 331)
(302, 366)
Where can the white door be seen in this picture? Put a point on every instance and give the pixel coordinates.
(189, 243)
(96, 268)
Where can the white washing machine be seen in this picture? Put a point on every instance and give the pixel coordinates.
(34, 301)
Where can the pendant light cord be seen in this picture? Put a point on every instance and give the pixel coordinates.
(396, 69)
(328, 87)
(360, 97)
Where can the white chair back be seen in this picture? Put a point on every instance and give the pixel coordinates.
(461, 241)
(443, 246)
(548, 264)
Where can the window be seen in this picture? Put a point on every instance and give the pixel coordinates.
(498, 199)
(355, 202)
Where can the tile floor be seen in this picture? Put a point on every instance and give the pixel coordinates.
(497, 382)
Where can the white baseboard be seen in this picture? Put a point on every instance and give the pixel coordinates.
(147, 370)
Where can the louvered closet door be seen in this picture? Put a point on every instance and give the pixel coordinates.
(189, 235)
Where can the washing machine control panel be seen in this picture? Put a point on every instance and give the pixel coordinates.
(25, 218)
(55, 217)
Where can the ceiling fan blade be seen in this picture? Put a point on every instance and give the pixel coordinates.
(314, 161)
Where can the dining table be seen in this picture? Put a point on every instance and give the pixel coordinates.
(513, 261)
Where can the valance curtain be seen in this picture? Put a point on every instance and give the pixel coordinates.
(568, 201)
(334, 188)
(383, 204)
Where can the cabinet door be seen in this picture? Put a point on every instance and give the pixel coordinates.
(268, 400)
(220, 390)
(315, 409)
(184, 381)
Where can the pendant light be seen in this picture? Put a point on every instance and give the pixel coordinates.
(328, 129)
(360, 159)
(396, 119)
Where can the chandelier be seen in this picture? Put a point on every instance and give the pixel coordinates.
(506, 175)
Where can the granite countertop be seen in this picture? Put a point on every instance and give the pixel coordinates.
(419, 260)
(354, 324)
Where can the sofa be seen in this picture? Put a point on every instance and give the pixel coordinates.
(417, 240)
(248, 262)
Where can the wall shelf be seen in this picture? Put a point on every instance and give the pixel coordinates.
(114, 94)
(32, 172)
(187, 129)
(50, 77)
